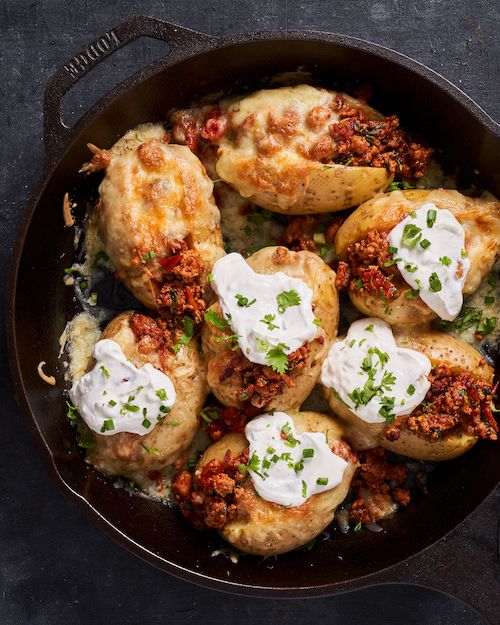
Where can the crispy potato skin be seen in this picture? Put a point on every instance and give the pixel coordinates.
(440, 348)
(154, 194)
(480, 218)
(265, 528)
(272, 159)
(321, 279)
(122, 453)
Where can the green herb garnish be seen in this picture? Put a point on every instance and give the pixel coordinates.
(287, 299)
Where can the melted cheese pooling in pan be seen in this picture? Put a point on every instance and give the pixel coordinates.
(115, 396)
(372, 375)
(287, 468)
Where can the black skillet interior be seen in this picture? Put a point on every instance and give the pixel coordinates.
(41, 305)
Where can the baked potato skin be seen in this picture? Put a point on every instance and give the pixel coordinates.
(321, 279)
(153, 195)
(123, 453)
(480, 218)
(264, 528)
(271, 159)
(440, 348)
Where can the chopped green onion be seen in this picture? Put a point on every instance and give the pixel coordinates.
(308, 453)
(434, 282)
(425, 243)
(410, 390)
(431, 217)
(107, 425)
(322, 481)
(444, 260)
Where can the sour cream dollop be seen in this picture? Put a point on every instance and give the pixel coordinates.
(372, 375)
(429, 249)
(264, 311)
(289, 471)
(115, 396)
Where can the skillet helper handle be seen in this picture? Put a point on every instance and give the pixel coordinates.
(465, 564)
(57, 134)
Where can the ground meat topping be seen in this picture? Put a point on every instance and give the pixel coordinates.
(360, 142)
(259, 384)
(455, 402)
(300, 233)
(377, 486)
(218, 421)
(208, 497)
(367, 270)
(152, 335)
(180, 292)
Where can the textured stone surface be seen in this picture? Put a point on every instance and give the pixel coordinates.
(55, 566)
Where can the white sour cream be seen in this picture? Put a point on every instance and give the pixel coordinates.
(432, 260)
(374, 377)
(258, 320)
(288, 472)
(117, 397)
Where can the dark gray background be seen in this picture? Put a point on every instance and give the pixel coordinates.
(55, 567)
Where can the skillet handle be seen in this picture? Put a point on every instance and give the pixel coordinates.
(465, 564)
(57, 134)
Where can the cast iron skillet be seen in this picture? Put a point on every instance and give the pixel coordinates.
(39, 305)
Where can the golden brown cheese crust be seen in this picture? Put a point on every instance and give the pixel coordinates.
(276, 147)
(154, 196)
(264, 528)
(440, 348)
(321, 279)
(480, 218)
(126, 453)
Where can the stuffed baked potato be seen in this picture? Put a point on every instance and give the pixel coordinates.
(229, 371)
(142, 340)
(265, 528)
(365, 233)
(303, 149)
(158, 219)
(455, 412)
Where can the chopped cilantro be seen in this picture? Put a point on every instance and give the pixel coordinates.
(162, 394)
(431, 218)
(486, 326)
(400, 184)
(468, 317)
(287, 299)
(72, 412)
(149, 256)
(277, 358)
(434, 282)
(212, 317)
(387, 405)
(410, 390)
(268, 319)
(489, 299)
(108, 425)
(412, 293)
(243, 301)
(411, 235)
(187, 334)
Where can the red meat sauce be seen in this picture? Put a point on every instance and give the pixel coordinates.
(180, 292)
(366, 271)
(456, 402)
(259, 384)
(378, 486)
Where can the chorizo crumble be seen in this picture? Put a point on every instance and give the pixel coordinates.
(455, 402)
(378, 486)
(367, 270)
(259, 384)
(180, 292)
(208, 497)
